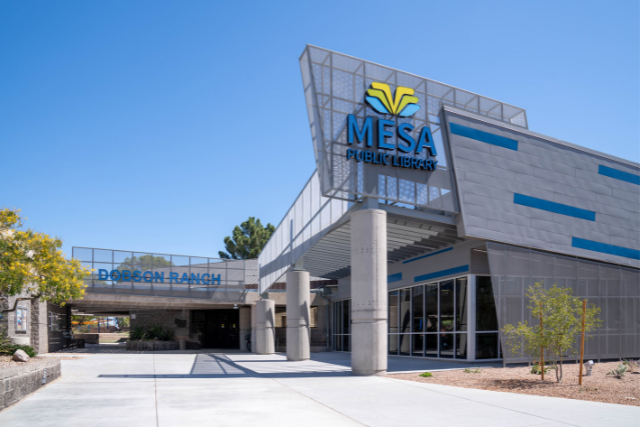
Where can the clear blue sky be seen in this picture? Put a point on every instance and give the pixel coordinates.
(159, 125)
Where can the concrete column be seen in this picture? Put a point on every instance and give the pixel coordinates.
(245, 326)
(253, 328)
(369, 292)
(265, 326)
(298, 333)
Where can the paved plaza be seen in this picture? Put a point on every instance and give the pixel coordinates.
(167, 389)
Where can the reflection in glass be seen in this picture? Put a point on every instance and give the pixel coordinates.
(393, 344)
(405, 310)
(446, 345)
(393, 311)
(417, 301)
(405, 344)
(461, 304)
(431, 345)
(345, 343)
(486, 346)
(461, 346)
(486, 319)
(418, 343)
(446, 306)
(431, 292)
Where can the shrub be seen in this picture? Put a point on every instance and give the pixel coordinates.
(426, 374)
(138, 333)
(31, 352)
(472, 370)
(141, 333)
(632, 365)
(619, 371)
(9, 349)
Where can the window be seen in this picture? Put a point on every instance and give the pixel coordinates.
(55, 322)
(430, 320)
(341, 325)
(21, 319)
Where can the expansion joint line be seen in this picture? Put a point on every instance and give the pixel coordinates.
(155, 388)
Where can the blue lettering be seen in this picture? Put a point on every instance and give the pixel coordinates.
(395, 161)
(195, 279)
(137, 276)
(103, 274)
(368, 155)
(172, 277)
(367, 130)
(376, 156)
(126, 275)
(359, 155)
(426, 140)
(383, 134)
(385, 159)
(146, 278)
(350, 153)
(402, 133)
(115, 275)
(184, 278)
(159, 277)
(215, 279)
(207, 280)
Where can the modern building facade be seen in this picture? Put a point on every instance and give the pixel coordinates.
(431, 212)
(435, 209)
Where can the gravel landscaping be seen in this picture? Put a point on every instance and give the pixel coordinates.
(599, 387)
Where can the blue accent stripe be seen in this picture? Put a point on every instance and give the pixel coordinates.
(618, 174)
(427, 255)
(487, 137)
(605, 248)
(394, 277)
(442, 273)
(559, 208)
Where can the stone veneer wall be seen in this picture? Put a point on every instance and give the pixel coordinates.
(17, 382)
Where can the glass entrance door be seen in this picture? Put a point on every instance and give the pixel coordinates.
(217, 328)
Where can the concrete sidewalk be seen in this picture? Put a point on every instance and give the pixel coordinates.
(243, 389)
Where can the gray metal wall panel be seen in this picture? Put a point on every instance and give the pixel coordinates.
(487, 176)
(615, 290)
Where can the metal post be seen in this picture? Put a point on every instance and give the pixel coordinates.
(541, 347)
(584, 314)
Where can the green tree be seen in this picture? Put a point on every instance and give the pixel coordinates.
(562, 325)
(32, 266)
(247, 241)
(144, 262)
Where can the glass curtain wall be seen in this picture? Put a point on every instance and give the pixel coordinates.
(341, 331)
(430, 320)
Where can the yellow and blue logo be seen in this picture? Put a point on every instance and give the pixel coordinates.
(404, 104)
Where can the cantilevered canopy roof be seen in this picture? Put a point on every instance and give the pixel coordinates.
(330, 257)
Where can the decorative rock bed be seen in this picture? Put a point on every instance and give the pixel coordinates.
(152, 345)
(20, 380)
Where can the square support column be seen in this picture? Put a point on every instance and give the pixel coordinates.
(369, 292)
(298, 317)
(265, 322)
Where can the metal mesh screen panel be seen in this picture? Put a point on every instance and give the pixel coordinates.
(308, 219)
(167, 275)
(616, 290)
(335, 86)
